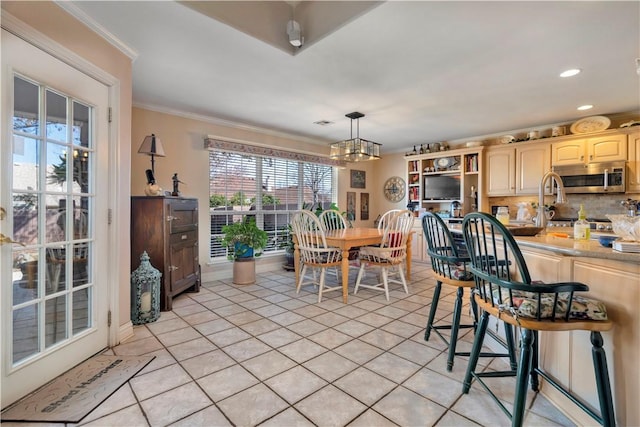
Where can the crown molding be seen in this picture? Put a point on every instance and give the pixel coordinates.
(94, 26)
(31, 35)
(231, 124)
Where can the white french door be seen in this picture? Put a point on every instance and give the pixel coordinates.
(54, 158)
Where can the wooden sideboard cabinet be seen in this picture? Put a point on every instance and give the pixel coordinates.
(167, 228)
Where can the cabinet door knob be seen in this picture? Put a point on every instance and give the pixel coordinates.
(172, 268)
(184, 237)
(171, 218)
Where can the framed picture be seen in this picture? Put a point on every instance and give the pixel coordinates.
(364, 206)
(351, 205)
(358, 179)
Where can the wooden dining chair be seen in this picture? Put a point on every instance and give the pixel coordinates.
(386, 217)
(504, 289)
(315, 254)
(389, 255)
(332, 220)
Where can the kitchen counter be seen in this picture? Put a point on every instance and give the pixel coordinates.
(614, 278)
(577, 248)
(567, 246)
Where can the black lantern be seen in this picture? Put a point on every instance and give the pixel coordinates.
(145, 292)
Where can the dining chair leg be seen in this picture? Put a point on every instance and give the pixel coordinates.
(301, 278)
(522, 378)
(602, 380)
(455, 328)
(385, 281)
(359, 278)
(432, 311)
(475, 351)
(403, 279)
(323, 274)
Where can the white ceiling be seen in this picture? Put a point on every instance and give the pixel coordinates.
(421, 71)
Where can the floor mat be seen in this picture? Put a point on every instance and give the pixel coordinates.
(72, 395)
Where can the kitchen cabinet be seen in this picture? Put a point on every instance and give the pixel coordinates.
(633, 169)
(446, 170)
(587, 150)
(565, 355)
(517, 170)
(501, 172)
(167, 228)
(418, 244)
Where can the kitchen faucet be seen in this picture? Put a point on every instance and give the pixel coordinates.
(561, 197)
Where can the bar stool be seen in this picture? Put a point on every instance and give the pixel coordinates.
(510, 295)
(449, 263)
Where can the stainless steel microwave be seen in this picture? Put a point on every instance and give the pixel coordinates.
(606, 177)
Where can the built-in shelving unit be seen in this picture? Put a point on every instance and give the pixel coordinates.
(437, 179)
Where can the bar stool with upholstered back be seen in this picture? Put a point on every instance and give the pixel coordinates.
(504, 289)
(449, 263)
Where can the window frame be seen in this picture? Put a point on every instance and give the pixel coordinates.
(279, 231)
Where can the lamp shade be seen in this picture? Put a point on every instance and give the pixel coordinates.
(152, 146)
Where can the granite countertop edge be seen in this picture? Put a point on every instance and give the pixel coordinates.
(567, 246)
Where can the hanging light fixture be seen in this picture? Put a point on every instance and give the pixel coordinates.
(355, 149)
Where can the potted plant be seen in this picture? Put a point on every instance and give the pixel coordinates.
(244, 241)
(285, 241)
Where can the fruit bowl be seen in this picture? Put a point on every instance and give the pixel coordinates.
(626, 227)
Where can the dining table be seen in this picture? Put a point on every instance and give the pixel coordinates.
(349, 238)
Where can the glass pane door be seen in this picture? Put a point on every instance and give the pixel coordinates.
(52, 175)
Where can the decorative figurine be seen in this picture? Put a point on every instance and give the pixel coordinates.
(176, 181)
(152, 189)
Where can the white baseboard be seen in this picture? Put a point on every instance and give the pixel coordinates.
(124, 333)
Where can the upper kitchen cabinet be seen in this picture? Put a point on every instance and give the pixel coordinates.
(517, 169)
(501, 172)
(633, 173)
(587, 150)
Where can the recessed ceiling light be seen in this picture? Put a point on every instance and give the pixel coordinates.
(570, 73)
(585, 107)
(323, 123)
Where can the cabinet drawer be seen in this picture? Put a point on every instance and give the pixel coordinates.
(187, 236)
(183, 215)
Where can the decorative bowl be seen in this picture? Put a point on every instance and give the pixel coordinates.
(606, 241)
(524, 231)
(626, 227)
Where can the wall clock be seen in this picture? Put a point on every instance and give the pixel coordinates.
(394, 189)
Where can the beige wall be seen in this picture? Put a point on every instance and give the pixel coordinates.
(50, 20)
(183, 141)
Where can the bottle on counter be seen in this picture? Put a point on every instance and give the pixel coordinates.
(502, 215)
(581, 229)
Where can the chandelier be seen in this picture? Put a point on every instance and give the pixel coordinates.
(355, 149)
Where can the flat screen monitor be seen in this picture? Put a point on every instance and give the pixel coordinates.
(442, 187)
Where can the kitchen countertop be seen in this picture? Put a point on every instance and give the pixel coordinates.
(567, 246)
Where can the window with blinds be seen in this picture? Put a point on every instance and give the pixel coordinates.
(269, 189)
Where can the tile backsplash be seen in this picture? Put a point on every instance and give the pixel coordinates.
(595, 205)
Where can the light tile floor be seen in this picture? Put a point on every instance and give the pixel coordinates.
(264, 355)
